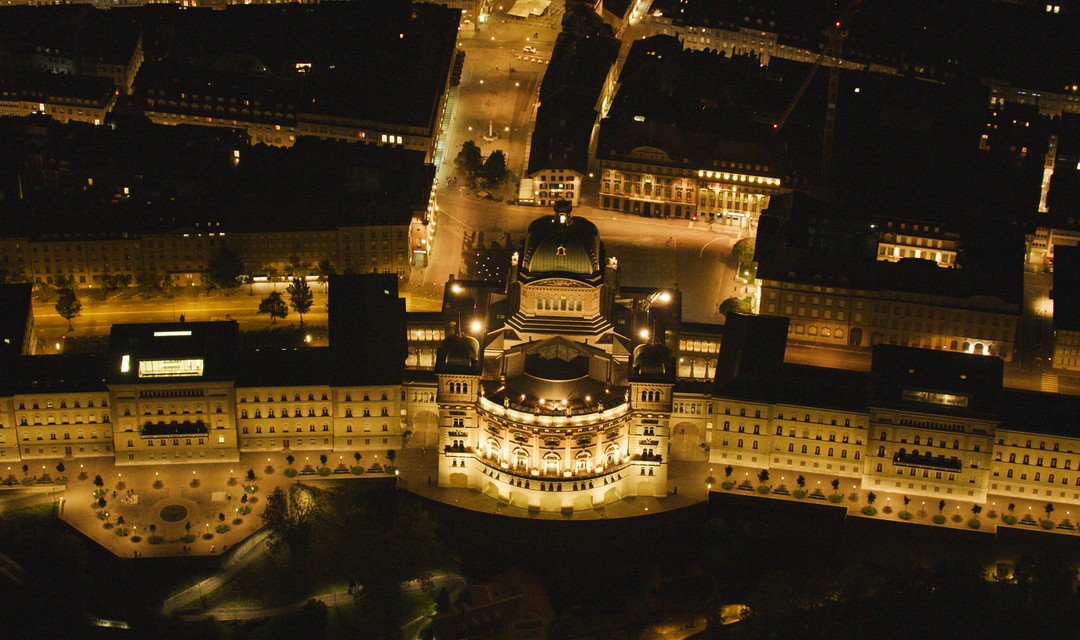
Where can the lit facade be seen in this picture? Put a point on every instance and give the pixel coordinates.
(551, 408)
(649, 183)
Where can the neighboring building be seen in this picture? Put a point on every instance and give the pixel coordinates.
(901, 239)
(61, 97)
(563, 138)
(297, 72)
(1066, 297)
(71, 41)
(819, 267)
(365, 209)
(928, 424)
(892, 39)
(673, 146)
(17, 323)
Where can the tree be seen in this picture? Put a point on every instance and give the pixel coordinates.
(763, 477)
(25, 469)
(941, 505)
(290, 459)
(801, 481)
(325, 269)
(976, 509)
(356, 456)
(101, 502)
(60, 467)
(274, 306)
(495, 168)
(250, 475)
(98, 482)
(221, 517)
(469, 162)
(1049, 508)
(835, 484)
(298, 268)
(1012, 507)
(728, 471)
(68, 305)
(391, 455)
(735, 305)
(323, 459)
(187, 525)
(743, 251)
(225, 269)
(290, 513)
(147, 283)
(207, 282)
(300, 297)
(153, 528)
(108, 285)
(907, 501)
(871, 498)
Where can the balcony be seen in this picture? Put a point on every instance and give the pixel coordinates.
(928, 461)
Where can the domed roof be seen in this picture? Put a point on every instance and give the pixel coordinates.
(562, 243)
(652, 361)
(457, 354)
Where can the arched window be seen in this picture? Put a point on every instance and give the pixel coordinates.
(879, 467)
(791, 447)
(804, 448)
(817, 451)
(740, 443)
(1012, 457)
(881, 452)
(582, 462)
(779, 431)
(955, 444)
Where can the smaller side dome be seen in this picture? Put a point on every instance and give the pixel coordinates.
(458, 354)
(653, 362)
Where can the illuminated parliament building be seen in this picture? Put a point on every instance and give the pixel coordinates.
(557, 389)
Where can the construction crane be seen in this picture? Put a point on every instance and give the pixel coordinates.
(832, 49)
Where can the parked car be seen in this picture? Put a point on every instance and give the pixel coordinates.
(529, 49)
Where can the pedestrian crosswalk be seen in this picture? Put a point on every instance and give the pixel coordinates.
(1049, 383)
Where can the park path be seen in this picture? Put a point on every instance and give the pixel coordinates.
(242, 555)
(332, 599)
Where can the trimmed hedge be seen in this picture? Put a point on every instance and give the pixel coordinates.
(836, 498)
(324, 471)
(763, 490)
(939, 519)
(1046, 524)
(728, 485)
(974, 523)
(905, 515)
(869, 511)
(155, 539)
(1010, 520)
(357, 470)
(291, 473)
(799, 493)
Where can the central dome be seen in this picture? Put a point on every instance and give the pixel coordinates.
(562, 243)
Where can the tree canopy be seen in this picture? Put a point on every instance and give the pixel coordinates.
(274, 306)
(300, 297)
(68, 305)
(225, 269)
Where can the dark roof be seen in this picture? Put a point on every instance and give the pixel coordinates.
(562, 244)
(752, 350)
(805, 240)
(57, 373)
(401, 52)
(214, 343)
(569, 94)
(18, 314)
(187, 176)
(927, 380)
(652, 362)
(366, 328)
(937, 38)
(1049, 413)
(458, 354)
(284, 367)
(1066, 292)
(46, 87)
(81, 36)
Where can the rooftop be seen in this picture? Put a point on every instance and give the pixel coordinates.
(1066, 291)
(172, 351)
(161, 178)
